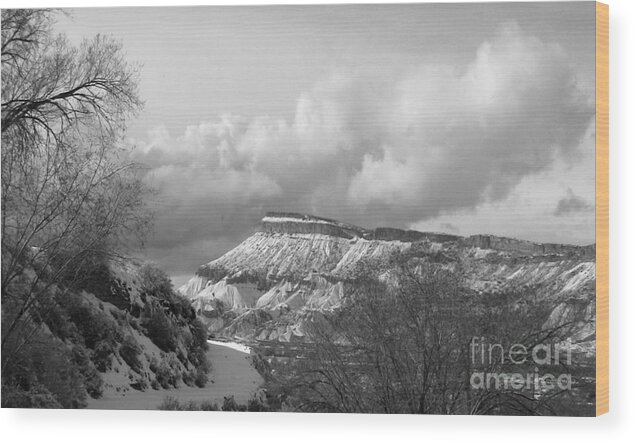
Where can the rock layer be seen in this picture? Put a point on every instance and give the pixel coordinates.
(295, 267)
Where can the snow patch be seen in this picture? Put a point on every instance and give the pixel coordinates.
(233, 345)
(270, 219)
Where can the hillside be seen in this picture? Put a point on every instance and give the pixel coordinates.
(233, 376)
(296, 267)
(120, 329)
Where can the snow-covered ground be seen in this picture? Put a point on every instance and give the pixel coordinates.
(232, 374)
(234, 345)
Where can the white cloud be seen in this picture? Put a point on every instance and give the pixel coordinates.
(434, 141)
(473, 134)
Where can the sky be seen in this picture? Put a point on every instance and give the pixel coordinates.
(459, 118)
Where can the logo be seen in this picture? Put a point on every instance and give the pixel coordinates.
(536, 368)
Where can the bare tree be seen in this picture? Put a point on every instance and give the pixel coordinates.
(401, 343)
(50, 87)
(69, 194)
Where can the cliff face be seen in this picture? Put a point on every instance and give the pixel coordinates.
(527, 247)
(294, 223)
(297, 264)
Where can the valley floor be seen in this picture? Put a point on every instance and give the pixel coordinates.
(232, 374)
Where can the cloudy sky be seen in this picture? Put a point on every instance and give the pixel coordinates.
(471, 118)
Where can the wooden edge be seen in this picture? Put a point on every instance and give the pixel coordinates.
(602, 207)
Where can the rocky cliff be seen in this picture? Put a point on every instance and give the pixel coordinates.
(296, 265)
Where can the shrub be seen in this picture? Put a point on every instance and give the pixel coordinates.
(208, 406)
(94, 325)
(230, 404)
(201, 378)
(197, 347)
(43, 374)
(172, 404)
(58, 322)
(36, 397)
(92, 379)
(159, 328)
(188, 378)
(140, 384)
(155, 282)
(166, 376)
(181, 307)
(102, 356)
(256, 405)
(130, 352)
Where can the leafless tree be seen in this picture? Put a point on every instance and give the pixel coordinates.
(400, 343)
(70, 196)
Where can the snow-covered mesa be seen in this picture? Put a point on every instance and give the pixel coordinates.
(283, 275)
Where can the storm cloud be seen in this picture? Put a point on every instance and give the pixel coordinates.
(374, 149)
(572, 204)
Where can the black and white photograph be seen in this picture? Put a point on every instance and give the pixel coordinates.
(343, 208)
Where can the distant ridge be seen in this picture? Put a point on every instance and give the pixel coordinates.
(272, 284)
(289, 223)
(292, 223)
